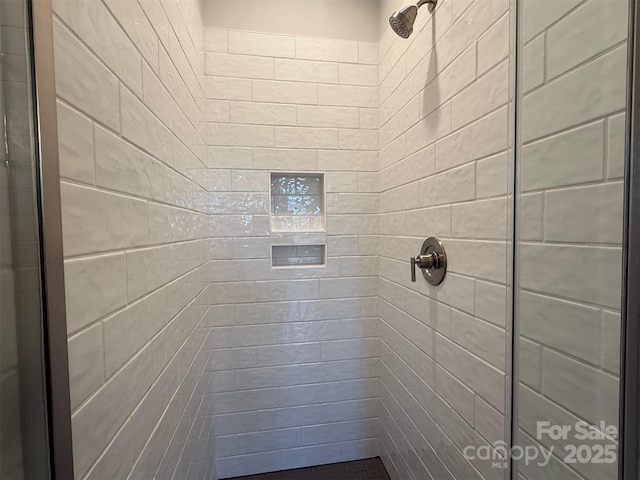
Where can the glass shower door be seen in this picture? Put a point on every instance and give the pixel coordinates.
(572, 90)
(31, 427)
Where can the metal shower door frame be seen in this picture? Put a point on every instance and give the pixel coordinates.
(629, 449)
(55, 354)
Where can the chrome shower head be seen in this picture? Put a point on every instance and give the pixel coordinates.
(402, 21)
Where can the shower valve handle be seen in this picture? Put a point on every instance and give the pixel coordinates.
(432, 260)
(427, 261)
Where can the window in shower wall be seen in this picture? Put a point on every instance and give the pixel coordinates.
(569, 211)
(297, 202)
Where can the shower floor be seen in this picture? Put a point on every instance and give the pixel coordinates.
(369, 469)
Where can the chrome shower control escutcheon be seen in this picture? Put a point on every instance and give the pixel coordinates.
(432, 260)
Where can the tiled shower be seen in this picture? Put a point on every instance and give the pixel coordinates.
(240, 205)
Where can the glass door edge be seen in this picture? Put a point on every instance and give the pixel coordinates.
(630, 327)
(52, 264)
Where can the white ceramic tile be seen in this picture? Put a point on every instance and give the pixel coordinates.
(368, 118)
(75, 140)
(572, 281)
(259, 44)
(228, 157)
(284, 92)
(533, 64)
(141, 127)
(572, 157)
(348, 96)
(249, 400)
(408, 116)
(249, 181)
(538, 17)
(95, 221)
(257, 441)
(491, 176)
(233, 358)
(96, 286)
(133, 20)
(148, 269)
(98, 29)
(217, 110)
(465, 254)
(349, 349)
(433, 127)
(559, 105)
(290, 137)
(489, 383)
(263, 113)
(85, 364)
(483, 138)
(480, 219)
(97, 421)
(349, 160)
(491, 303)
(306, 71)
(288, 354)
(611, 359)
(102, 54)
(616, 146)
(606, 22)
(215, 40)
(352, 74)
(227, 88)
(240, 135)
(326, 49)
(368, 53)
(493, 46)
(236, 423)
(482, 339)
(585, 214)
(246, 66)
(564, 379)
(117, 459)
(92, 89)
(285, 159)
(122, 167)
(317, 116)
(358, 139)
(248, 464)
(484, 95)
(158, 18)
(575, 331)
(448, 187)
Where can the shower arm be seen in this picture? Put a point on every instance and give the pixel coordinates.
(432, 4)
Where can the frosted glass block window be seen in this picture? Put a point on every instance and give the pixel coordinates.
(297, 255)
(297, 202)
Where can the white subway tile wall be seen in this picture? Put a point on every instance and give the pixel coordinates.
(177, 319)
(131, 110)
(575, 61)
(294, 351)
(443, 171)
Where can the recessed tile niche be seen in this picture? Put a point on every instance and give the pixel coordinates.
(297, 206)
(297, 255)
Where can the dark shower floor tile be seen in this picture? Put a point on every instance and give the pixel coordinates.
(369, 469)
